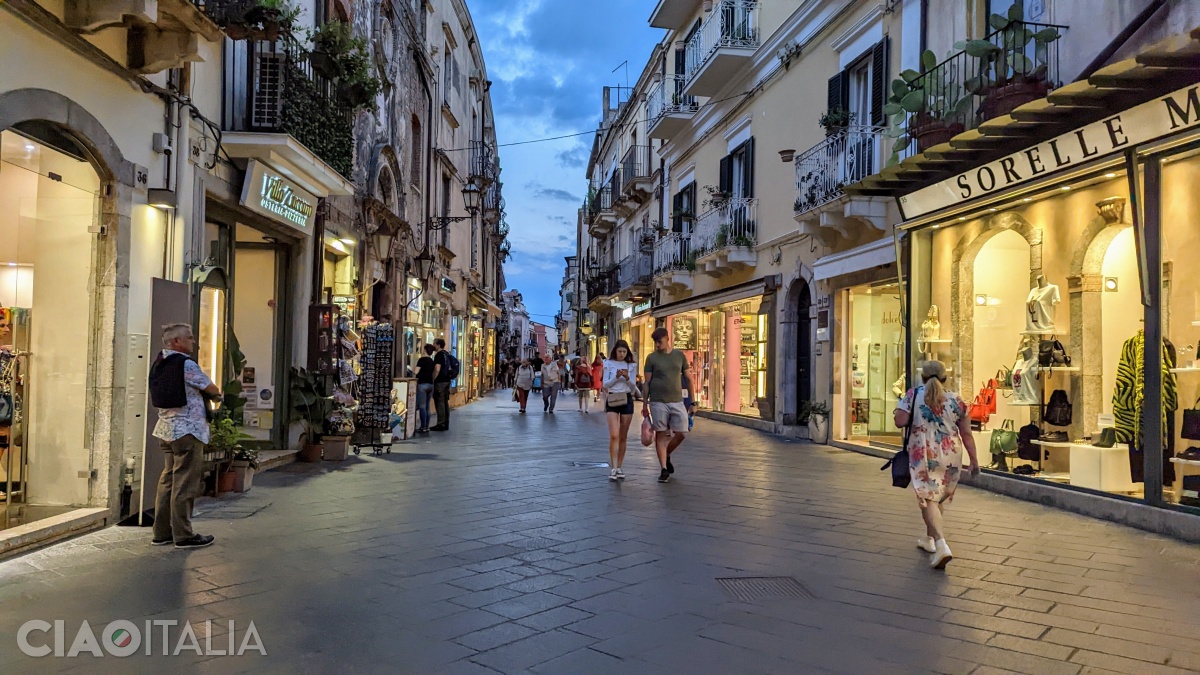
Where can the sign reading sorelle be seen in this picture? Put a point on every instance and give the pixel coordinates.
(270, 194)
(1140, 124)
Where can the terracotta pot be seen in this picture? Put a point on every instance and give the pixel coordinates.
(226, 481)
(244, 476)
(237, 31)
(310, 453)
(337, 448)
(929, 131)
(1004, 99)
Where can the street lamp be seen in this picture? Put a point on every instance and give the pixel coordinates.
(425, 259)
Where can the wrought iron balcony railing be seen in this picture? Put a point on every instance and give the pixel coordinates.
(732, 23)
(603, 283)
(845, 157)
(673, 252)
(483, 166)
(667, 98)
(635, 270)
(732, 224)
(270, 87)
(636, 163)
(600, 199)
(1014, 65)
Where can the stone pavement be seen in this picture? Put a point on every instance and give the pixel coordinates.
(488, 550)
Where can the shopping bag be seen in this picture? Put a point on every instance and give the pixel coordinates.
(647, 432)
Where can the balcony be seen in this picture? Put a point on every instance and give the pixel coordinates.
(823, 210)
(493, 203)
(635, 275)
(991, 77)
(161, 34)
(601, 288)
(276, 109)
(636, 168)
(669, 110)
(722, 46)
(483, 167)
(673, 14)
(601, 216)
(725, 237)
(673, 263)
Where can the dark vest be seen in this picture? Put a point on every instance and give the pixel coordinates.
(167, 387)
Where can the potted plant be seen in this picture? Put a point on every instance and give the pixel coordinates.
(225, 439)
(341, 428)
(816, 415)
(258, 19)
(310, 407)
(923, 114)
(834, 119)
(1007, 77)
(245, 462)
(338, 55)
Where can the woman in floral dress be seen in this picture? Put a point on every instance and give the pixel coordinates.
(940, 419)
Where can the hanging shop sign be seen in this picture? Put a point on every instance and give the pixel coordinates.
(448, 285)
(643, 306)
(270, 194)
(1140, 124)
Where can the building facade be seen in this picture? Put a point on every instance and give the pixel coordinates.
(207, 162)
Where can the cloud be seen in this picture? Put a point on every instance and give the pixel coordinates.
(575, 158)
(555, 193)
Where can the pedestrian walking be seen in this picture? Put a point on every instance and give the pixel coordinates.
(425, 369)
(597, 377)
(522, 383)
(664, 373)
(583, 385)
(551, 383)
(618, 391)
(537, 363)
(178, 388)
(935, 419)
(445, 370)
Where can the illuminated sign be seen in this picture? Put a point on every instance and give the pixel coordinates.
(641, 307)
(270, 194)
(448, 285)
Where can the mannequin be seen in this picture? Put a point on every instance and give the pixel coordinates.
(1025, 373)
(1040, 305)
(931, 328)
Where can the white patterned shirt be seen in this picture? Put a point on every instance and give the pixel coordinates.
(175, 423)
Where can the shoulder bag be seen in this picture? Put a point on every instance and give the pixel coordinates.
(1004, 439)
(1025, 448)
(901, 476)
(980, 411)
(1191, 423)
(1004, 377)
(1058, 410)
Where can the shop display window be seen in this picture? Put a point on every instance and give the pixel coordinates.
(727, 348)
(1039, 300)
(874, 361)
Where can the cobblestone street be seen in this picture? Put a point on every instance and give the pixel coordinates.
(496, 548)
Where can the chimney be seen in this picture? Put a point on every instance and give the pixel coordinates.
(606, 99)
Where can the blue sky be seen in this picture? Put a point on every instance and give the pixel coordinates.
(548, 61)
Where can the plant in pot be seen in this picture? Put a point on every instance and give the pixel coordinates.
(835, 119)
(339, 56)
(816, 415)
(310, 407)
(1007, 76)
(225, 438)
(245, 463)
(341, 427)
(924, 108)
(258, 19)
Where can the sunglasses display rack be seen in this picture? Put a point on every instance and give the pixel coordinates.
(375, 384)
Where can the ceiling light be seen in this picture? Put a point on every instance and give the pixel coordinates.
(1027, 199)
(962, 217)
(29, 147)
(992, 210)
(1110, 284)
(981, 299)
(161, 198)
(1110, 175)
(347, 241)
(1065, 187)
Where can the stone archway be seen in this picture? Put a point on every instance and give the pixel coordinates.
(119, 180)
(962, 285)
(795, 360)
(1086, 295)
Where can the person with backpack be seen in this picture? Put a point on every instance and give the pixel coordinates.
(445, 371)
(583, 385)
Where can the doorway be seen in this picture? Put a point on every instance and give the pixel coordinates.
(804, 389)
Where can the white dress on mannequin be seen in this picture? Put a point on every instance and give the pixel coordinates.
(1040, 306)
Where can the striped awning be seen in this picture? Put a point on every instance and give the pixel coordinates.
(1159, 69)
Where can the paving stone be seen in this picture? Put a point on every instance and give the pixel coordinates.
(495, 636)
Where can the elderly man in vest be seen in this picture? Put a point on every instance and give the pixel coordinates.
(178, 388)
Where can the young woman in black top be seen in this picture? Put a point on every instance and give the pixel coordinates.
(425, 387)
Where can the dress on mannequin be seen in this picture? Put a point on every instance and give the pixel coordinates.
(1040, 305)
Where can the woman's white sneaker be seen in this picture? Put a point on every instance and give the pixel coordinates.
(620, 474)
(941, 555)
(614, 475)
(926, 544)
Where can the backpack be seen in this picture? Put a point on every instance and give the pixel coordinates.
(1025, 448)
(583, 379)
(167, 388)
(1058, 410)
(452, 366)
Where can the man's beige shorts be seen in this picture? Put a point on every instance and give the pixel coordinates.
(672, 416)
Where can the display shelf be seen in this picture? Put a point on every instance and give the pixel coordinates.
(938, 341)
(1189, 462)
(1052, 444)
(1040, 333)
(1061, 369)
(1185, 370)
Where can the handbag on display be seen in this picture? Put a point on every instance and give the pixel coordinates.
(980, 411)
(1052, 353)
(988, 393)
(901, 476)
(1004, 377)
(1058, 410)
(1025, 448)
(1004, 439)
(1191, 423)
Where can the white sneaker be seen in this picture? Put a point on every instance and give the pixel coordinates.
(941, 555)
(619, 474)
(614, 474)
(926, 544)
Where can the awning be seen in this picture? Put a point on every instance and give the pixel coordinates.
(1159, 69)
(732, 294)
(865, 257)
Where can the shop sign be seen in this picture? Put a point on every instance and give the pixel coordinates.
(640, 307)
(448, 285)
(270, 194)
(1140, 124)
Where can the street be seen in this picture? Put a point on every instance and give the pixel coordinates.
(496, 547)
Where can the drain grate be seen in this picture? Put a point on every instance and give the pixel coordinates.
(591, 465)
(749, 589)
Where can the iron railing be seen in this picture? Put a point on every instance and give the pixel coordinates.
(483, 164)
(636, 163)
(667, 98)
(270, 87)
(673, 252)
(635, 270)
(601, 199)
(1012, 66)
(603, 283)
(733, 223)
(848, 156)
(732, 23)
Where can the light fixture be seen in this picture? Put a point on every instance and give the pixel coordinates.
(962, 217)
(471, 197)
(30, 147)
(1110, 175)
(1065, 188)
(347, 241)
(1027, 199)
(424, 262)
(161, 198)
(337, 245)
(1110, 284)
(993, 209)
(981, 299)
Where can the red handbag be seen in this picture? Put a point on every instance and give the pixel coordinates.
(988, 393)
(980, 411)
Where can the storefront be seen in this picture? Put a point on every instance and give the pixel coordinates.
(726, 340)
(636, 326)
(1062, 271)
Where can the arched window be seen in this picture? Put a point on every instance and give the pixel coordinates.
(415, 143)
(387, 189)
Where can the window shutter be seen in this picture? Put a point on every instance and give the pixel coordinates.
(879, 81)
(835, 92)
(726, 180)
(676, 208)
(748, 170)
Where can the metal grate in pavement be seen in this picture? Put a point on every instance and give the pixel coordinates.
(591, 465)
(749, 589)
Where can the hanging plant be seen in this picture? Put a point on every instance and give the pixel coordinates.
(340, 56)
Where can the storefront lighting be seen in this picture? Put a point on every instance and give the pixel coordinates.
(993, 209)
(29, 147)
(1027, 199)
(337, 245)
(161, 198)
(1110, 284)
(962, 217)
(1065, 188)
(347, 241)
(1110, 175)
(981, 299)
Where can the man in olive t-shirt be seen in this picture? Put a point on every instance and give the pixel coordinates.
(664, 372)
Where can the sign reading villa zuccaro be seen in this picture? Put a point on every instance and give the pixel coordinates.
(1140, 124)
(272, 195)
